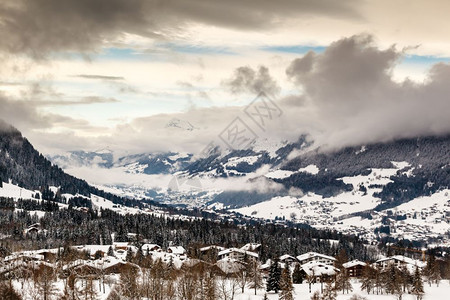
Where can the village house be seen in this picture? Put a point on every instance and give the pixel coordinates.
(150, 248)
(318, 272)
(210, 253)
(316, 257)
(355, 268)
(399, 261)
(176, 250)
(237, 254)
(287, 259)
(253, 247)
(120, 246)
(227, 266)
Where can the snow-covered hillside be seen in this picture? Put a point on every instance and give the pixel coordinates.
(422, 218)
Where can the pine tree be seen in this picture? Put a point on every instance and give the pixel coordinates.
(392, 280)
(210, 287)
(343, 282)
(129, 256)
(128, 283)
(44, 279)
(432, 272)
(7, 291)
(379, 279)
(341, 259)
(417, 285)
(286, 286)
(329, 292)
(297, 275)
(255, 280)
(368, 279)
(405, 278)
(273, 282)
(110, 251)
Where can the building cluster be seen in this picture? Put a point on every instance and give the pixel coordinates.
(109, 259)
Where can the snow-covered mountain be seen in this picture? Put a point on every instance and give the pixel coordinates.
(399, 188)
(145, 163)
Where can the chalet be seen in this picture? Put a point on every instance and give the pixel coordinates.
(150, 248)
(211, 248)
(94, 251)
(49, 255)
(176, 250)
(23, 257)
(316, 257)
(253, 247)
(237, 254)
(287, 259)
(120, 246)
(210, 253)
(399, 261)
(265, 267)
(81, 268)
(318, 272)
(355, 268)
(228, 266)
(117, 267)
(33, 228)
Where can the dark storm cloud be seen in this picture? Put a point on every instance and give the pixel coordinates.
(247, 80)
(24, 116)
(100, 77)
(350, 89)
(21, 114)
(40, 27)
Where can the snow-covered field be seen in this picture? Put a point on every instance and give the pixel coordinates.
(441, 292)
(302, 293)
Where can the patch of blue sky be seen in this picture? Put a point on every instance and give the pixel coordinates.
(118, 53)
(159, 52)
(424, 59)
(197, 49)
(107, 54)
(296, 49)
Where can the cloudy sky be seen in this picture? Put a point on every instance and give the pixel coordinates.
(90, 74)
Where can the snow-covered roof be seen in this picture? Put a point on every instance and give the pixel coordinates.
(314, 254)
(99, 264)
(93, 248)
(286, 256)
(226, 251)
(207, 248)
(176, 250)
(250, 247)
(403, 259)
(228, 265)
(193, 262)
(317, 269)
(150, 246)
(266, 265)
(40, 251)
(24, 255)
(354, 263)
(167, 257)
